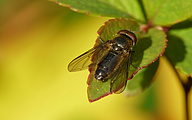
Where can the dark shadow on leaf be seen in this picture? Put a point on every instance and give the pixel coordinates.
(142, 80)
(175, 49)
(185, 24)
(149, 74)
(139, 49)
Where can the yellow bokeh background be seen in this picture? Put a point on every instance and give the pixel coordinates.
(37, 41)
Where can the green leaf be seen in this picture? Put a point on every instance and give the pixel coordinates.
(113, 26)
(147, 50)
(150, 47)
(132, 7)
(109, 8)
(179, 50)
(142, 80)
(167, 12)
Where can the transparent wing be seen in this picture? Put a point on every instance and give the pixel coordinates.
(83, 61)
(120, 76)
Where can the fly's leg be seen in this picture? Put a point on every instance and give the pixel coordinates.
(110, 87)
(100, 39)
(134, 65)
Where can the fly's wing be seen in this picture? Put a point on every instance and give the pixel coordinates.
(120, 76)
(83, 61)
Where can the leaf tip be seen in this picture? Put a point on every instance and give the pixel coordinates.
(95, 99)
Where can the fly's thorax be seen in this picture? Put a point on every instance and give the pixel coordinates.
(121, 44)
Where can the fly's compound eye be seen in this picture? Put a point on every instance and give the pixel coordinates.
(129, 34)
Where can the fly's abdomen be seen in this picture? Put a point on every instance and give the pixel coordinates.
(107, 65)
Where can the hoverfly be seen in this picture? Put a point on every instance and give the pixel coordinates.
(110, 58)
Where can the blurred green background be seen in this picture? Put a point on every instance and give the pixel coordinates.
(37, 41)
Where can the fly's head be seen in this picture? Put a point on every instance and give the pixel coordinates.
(131, 38)
(124, 41)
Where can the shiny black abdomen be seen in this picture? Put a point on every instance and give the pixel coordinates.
(107, 65)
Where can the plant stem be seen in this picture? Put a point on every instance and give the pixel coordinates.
(187, 86)
(186, 106)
